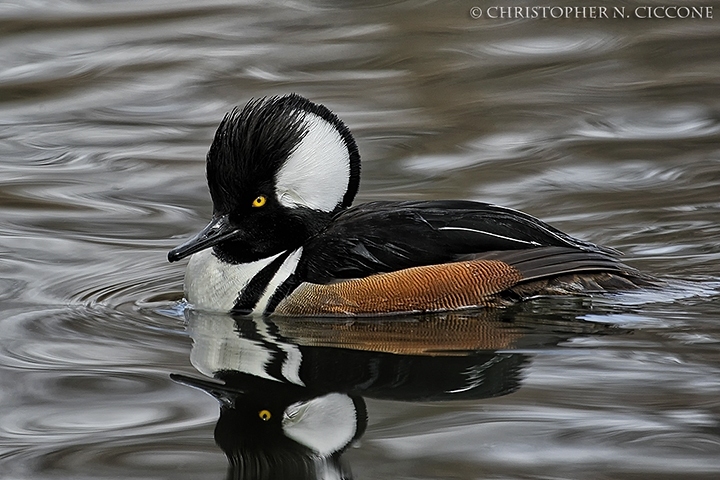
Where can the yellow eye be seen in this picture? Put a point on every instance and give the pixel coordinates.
(264, 415)
(259, 202)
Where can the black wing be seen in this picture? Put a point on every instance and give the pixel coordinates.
(386, 236)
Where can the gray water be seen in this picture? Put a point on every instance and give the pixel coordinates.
(607, 128)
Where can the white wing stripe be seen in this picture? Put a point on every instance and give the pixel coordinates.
(491, 234)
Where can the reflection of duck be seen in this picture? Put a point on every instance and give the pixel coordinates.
(272, 429)
(283, 173)
(291, 396)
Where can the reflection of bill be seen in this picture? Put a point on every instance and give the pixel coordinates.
(291, 390)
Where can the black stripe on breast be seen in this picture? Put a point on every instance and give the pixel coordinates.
(282, 291)
(250, 295)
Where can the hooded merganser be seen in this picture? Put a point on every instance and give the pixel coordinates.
(284, 239)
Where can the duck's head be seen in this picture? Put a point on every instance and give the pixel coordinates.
(278, 170)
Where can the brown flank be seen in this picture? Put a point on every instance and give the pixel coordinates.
(442, 287)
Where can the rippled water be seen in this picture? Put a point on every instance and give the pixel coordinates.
(609, 129)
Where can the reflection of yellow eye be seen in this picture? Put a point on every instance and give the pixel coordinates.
(259, 202)
(264, 415)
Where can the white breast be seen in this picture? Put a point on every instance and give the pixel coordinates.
(213, 285)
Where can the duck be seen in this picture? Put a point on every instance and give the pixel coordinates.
(285, 238)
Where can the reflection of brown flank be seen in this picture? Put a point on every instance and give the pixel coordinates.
(448, 286)
(448, 335)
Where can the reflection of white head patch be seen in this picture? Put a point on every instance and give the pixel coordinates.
(317, 172)
(325, 424)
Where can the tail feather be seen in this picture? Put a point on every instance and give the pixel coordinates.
(536, 263)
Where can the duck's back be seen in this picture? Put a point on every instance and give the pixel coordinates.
(381, 237)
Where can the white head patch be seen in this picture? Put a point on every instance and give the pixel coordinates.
(317, 173)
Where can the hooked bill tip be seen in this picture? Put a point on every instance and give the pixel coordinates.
(174, 256)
